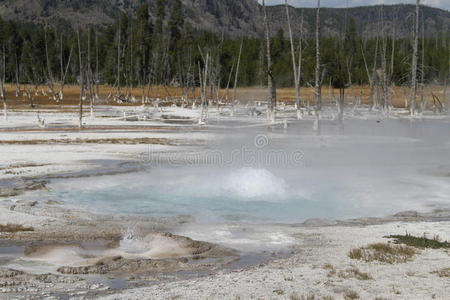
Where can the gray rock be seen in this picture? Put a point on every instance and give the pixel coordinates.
(318, 222)
(407, 214)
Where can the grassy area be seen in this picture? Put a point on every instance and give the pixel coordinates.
(400, 95)
(381, 252)
(121, 141)
(420, 242)
(444, 273)
(13, 228)
(354, 273)
(351, 295)
(351, 272)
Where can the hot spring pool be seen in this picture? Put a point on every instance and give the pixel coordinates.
(372, 170)
(251, 194)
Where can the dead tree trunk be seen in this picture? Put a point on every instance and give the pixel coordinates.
(384, 79)
(447, 100)
(300, 63)
(49, 68)
(423, 102)
(64, 75)
(318, 86)
(236, 77)
(373, 90)
(225, 95)
(90, 78)
(272, 90)
(97, 79)
(394, 36)
(295, 69)
(412, 105)
(341, 102)
(318, 69)
(17, 74)
(118, 63)
(204, 82)
(2, 84)
(80, 58)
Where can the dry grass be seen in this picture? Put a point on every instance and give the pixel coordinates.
(279, 292)
(354, 273)
(20, 166)
(443, 273)
(381, 252)
(295, 296)
(351, 295)
(351, 272)
(122, 141)
(13, 228)
(331, 270)
(71, 97)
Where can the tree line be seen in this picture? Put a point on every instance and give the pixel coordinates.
(138, 51)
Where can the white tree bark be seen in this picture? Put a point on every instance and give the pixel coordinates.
(294, 63)
(318, 85)
(272, 99)
(2, 84)
(204, 82)
(384, 79)
(236, 77)
(447, 100)
(80, 58)
(412, 105)
(118, 61)
(423, 101)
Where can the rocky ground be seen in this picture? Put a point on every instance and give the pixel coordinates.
(49, 250)
(318, 264)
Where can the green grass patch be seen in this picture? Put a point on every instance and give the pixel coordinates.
(420, 242)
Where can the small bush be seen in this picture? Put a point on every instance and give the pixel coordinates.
(351, 295)
(12, 228)
(279, 292)
(296, 296)
(386, 253)
(356, 253)
(355, 273)
(420, 242)
(444, 273)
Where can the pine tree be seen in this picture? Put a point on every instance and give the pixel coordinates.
(176, 22)
(160, 16)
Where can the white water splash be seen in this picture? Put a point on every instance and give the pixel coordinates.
(250, 184)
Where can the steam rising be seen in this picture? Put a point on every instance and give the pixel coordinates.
(369, 169)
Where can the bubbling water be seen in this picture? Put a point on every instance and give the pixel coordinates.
(250, 184)
(151, 246)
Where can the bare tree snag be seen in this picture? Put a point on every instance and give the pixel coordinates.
(2, 84)
(318, 84)
(318, 87)
(236, 77)
(294, 63)
(272, 90)
(80, 59)
(412, 105)
(384, 75)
